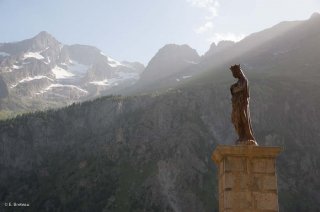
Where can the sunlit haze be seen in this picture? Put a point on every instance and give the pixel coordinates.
(135, 30)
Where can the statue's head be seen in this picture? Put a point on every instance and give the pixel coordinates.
(236, 71)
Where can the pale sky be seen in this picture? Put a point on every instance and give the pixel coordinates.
(135, 30)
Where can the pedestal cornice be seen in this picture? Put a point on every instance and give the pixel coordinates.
(222, 151)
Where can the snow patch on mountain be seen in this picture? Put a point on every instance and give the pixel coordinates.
(27, 79)
(6, 70)
(183, 78)
(61, 73)
(122, 76)
(104, 54)
(34, 78)
(100, 83)
(16, 67)
(52, 86)
(67, 86)
(48, 60)
(36, 55)
(112, 62)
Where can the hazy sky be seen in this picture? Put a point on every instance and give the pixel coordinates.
(134, 30)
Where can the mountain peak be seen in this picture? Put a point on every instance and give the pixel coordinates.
(175, 46)
(43, 40)
(43, 35)
(175, 49)
(169, 60)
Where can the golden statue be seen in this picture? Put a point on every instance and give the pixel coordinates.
(240, 108)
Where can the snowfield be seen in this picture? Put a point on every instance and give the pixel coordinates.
(61, 73)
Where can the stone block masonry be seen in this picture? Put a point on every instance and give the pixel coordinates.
(247, 178)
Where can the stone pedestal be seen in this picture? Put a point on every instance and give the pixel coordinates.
(247, 178)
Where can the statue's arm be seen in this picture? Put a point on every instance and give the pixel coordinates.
(231, 88)
(239, 87)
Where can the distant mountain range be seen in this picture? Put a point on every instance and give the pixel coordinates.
(41, 72)
(43, 69)
(150, 151)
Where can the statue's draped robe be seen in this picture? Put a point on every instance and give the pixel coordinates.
(240, 111)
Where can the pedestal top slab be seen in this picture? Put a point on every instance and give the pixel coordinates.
(244, 150)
